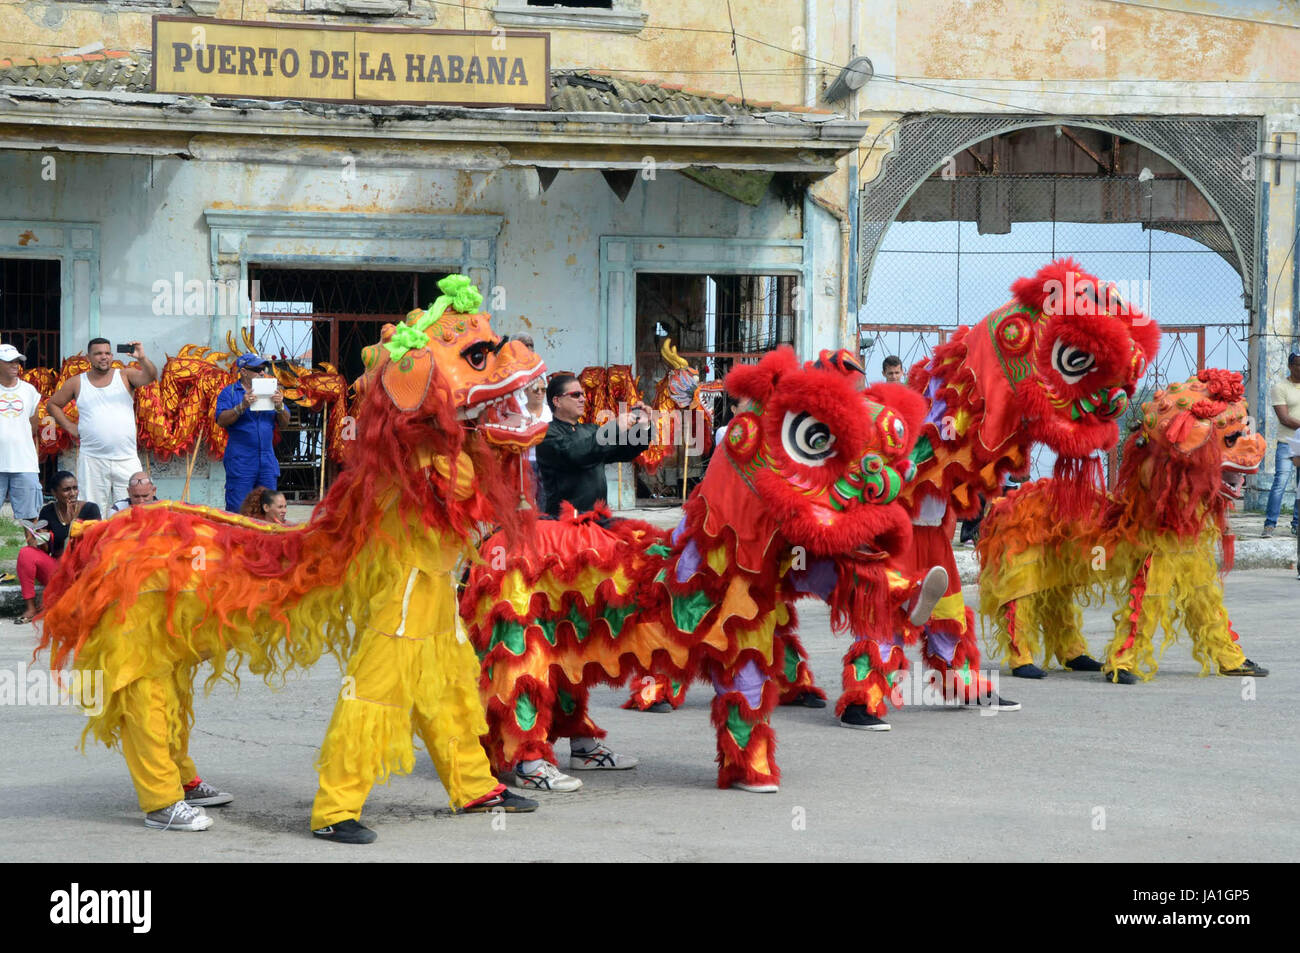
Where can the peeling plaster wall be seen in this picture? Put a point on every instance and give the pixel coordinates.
(1195, 57)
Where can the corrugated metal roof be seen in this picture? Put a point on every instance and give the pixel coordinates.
(571, 90)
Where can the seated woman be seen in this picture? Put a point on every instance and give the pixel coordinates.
(267, 505)
(38, 559)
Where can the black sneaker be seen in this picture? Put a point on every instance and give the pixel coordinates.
(1083, 663)
(347, 832)
(1029, 670)
(1122, 676)
(857, 716)
(996, 703)
(507, 801)
(1246, 668)
(807, 700)
(661, 707)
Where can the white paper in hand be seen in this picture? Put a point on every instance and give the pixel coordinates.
(263, 389)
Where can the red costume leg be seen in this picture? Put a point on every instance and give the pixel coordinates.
(520, 729)
(651, 689)
(871, 673)
(570, 718)
(792, 673)
(745, 698)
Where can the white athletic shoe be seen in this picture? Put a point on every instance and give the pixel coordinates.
(933, 587)
(547, 777)
(756, 788)
(600, 758)
(178, 817)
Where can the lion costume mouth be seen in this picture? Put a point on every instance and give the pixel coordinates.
(499, 416)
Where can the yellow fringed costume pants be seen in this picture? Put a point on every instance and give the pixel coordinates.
(155, 735)
(1176, 586)
(413, 668)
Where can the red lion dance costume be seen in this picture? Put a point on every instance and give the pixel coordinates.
(1055, 365)
(799, 500)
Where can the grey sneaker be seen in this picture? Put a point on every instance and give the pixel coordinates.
(1268, 532)
(600, 758)
(178, 817)
(204, 794)
(547, 777)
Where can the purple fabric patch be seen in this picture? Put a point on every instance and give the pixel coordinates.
(688, 562)
(749, 682)
(817, 580)
(937, 407)
(941, 644)
(677, 533)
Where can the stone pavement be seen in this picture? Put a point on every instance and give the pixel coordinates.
(1180, 769)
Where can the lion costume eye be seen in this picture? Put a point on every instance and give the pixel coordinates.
(476, 355)
(806, 439)
(1070, 362)
(893, 430)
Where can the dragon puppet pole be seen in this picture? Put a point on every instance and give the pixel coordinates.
(620, 485)
(686, 456)
(324, 443)
(189, 470)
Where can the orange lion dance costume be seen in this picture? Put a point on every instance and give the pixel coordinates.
(151, 595)
(1151, 545)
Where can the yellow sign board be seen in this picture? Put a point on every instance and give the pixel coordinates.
(350, 64)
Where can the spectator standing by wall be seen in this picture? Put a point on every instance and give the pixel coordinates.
(892, 368)
(105, 428)
(20, 481)
(250, 456)
(1284, 398)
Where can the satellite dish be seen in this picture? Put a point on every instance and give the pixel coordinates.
(853, 77)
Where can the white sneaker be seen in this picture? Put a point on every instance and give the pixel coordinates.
(933, 586)
(547, 777)
(600, 757)
(756, 788)
(178, 817)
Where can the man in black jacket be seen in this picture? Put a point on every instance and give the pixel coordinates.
(571, 459)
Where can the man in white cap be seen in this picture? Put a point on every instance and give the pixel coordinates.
(105, 427)
(20, 482)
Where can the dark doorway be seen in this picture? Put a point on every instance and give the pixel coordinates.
(312, 316)
(31, 309)
(714, 322)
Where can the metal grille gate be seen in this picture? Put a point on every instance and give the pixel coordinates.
(1210, 152)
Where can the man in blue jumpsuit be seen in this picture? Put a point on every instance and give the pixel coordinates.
(250, 455)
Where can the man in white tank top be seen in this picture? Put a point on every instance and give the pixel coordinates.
(105, 427)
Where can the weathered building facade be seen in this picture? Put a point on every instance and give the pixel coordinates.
(687, 162)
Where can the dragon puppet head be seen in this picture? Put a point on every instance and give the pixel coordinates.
(825, 457)
(452, 342)
(1060, 361)
(1200, 424)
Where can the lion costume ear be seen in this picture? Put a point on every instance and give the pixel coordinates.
(758, 381)
(406, 381)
